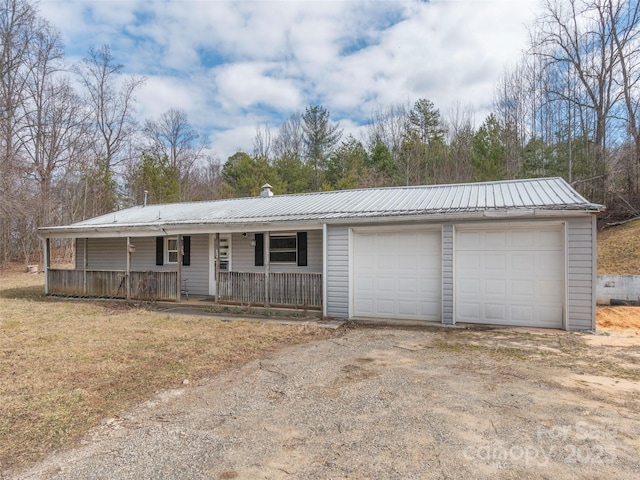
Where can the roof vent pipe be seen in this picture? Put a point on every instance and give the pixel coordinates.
(266, 191)
(144, 202)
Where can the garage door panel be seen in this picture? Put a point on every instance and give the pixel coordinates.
(495, 262)
(408, 308)
(522, 288)
(495, 240)
(522, 239)
(495, 311)
(365, 306)
(466, 286)
(468, 310)
(523, 262)
(406, 267)
(522, 313)
(548, 239)
(512, 274)
(549, 288)
(495, 287)
(385, 284)
(384, 262)
(364, 283)
(467, 240)
(430, 310)
(429, 285)
(408, 285)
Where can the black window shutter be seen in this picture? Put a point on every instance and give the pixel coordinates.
(302, 249)
(186, 248)
(159, 250)
(259, 250)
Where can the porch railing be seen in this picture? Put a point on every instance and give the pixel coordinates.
(113, 284)
(285, 289)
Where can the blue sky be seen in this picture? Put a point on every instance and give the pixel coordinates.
(233, 65)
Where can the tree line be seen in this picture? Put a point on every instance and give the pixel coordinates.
(71, 148)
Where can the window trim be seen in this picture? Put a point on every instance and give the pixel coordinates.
(169, 251)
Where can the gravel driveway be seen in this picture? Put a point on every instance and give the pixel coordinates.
(386, 403)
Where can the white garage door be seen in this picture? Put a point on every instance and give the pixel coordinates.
(397, 274)
(510, 275)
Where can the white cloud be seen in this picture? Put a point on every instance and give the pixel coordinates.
(231, 65)
(243, 85)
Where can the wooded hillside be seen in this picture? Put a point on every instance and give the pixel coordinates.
(71, 146)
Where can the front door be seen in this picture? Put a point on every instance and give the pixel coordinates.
(221, 256)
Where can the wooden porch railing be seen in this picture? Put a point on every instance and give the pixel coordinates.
(285, 289)
(113, 284)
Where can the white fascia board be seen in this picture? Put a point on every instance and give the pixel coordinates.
(171, 230)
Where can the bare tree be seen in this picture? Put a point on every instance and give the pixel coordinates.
(624, 19)
(575, 36)
(173, 137)
(111, 99)
(18, 25)
(289, 141)
(262, 141)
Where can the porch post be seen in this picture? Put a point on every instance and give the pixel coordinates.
(128, 272)
(46, 246)
(267, 265)
(85, 262)
(180, 253)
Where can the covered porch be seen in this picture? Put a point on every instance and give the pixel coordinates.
(227, 269)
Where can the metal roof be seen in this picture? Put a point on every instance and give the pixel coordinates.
(327, 207)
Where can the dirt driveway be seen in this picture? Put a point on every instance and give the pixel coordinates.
(386, 403)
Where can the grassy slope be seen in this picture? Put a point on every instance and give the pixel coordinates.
(619, 250)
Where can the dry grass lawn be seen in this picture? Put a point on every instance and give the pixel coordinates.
(67, 364)
(619, 250)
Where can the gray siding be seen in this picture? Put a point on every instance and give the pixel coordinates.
(243, 255)
(581, 271)
(103, 254)
(337, 272)
(197, 274)
(447, 273)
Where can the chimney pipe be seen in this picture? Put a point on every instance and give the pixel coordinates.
(266, 191)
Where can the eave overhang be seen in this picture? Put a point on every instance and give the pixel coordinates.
(295, 224)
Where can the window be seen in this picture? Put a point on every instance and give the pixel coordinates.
(167, 250)
(172, 250)
(283, 248)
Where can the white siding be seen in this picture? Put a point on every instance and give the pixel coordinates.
(243, 255)
(337, 272)
(581, 265)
